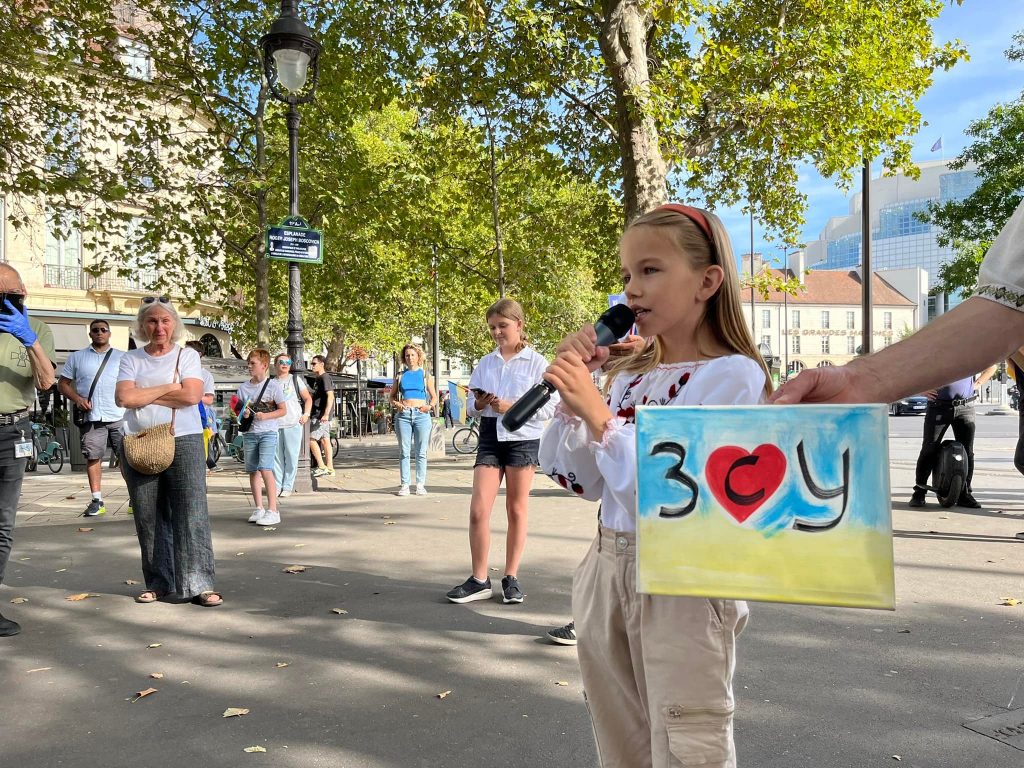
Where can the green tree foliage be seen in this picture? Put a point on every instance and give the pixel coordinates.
(970, 225)
(95, 137)
(721, 100)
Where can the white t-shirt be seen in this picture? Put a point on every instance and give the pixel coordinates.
(208, 382)
(150, 371)
(272, 398)
(292, 400)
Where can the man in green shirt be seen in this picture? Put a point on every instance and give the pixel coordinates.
(26, 351)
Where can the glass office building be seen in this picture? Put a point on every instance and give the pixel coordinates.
(898, 238)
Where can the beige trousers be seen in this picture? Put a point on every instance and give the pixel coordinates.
(657, 670)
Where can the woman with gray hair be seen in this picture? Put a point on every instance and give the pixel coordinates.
(161, 383)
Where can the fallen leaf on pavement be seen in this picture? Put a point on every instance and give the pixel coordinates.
(897, 757)
(142, 694)
(69, 497)
(1010, 601)
(294, 569)
(341, 611)
(389, 522)
(84, 530)
(38, 669)
(270, 528)
(80, 596)
(902, 631)
(130, 581)
(235, 712)
(442, 694)
(561, 682)
(299, 545)
(19, 600)
(60, 570)
(281, 664)
(239, 554)
(256, 748)
(157, 675)
(154, 645)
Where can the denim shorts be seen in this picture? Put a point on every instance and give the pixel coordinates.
(491, 452)
(260, 450)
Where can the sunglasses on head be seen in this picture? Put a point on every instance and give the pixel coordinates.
(151, 299)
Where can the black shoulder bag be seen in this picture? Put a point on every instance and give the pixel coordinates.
(245, 422)
(80, 417)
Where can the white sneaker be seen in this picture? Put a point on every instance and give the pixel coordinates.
(256, 515)
(284, 493)
(403, 491)
(270, 517)
(421, 491)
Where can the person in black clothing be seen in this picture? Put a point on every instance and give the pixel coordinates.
(446, 408)
(320, 419)
(951, 405)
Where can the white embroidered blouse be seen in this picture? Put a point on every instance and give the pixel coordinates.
(606, 470)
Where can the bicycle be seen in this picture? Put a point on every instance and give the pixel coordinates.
(465, 440)
(45, 449)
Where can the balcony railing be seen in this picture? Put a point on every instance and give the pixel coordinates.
(111, 281)
(63, 277)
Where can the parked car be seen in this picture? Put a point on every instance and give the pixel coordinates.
(913, 405)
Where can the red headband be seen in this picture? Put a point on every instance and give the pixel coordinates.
(693, 214)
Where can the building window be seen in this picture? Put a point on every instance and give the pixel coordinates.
(135, 58)
(795, 319)
(851, 320)
(851, 345)
(825, 364)
(826, 345)
(824, 318)
(887, 321)
(63, 146)
(766, 318)
(795, 367)
(796, 345)
(63, 253)
(446, 366)
(767, 341)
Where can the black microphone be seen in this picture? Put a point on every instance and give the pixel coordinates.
(615, 322)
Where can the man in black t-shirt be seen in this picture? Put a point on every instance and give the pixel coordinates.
(320, 419)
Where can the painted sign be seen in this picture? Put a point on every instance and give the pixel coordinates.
(294, 240)
(778, 503)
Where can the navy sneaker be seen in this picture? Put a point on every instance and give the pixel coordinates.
(8, 627)
(510, 591)
(563, 635)
(470, 590)
(917, 498)
(95, 508)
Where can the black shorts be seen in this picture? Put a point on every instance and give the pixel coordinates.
(490, 452)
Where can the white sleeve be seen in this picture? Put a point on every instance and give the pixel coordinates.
(474, 381)
(68, 372)
(126, 370)
(189, 366)
(615, 457)
(1001, 278)
(566, 458)
(208, 383)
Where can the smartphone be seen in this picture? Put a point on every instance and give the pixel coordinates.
(480, 392)
(17, 299)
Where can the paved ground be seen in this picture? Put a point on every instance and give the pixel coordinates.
(816, 686)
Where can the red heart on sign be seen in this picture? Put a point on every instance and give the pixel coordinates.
(743, 480)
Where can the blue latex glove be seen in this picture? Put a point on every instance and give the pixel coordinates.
(17, 325)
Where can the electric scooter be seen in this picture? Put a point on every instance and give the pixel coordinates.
(950, 474)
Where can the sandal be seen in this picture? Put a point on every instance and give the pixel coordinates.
(149, 596)
(208, 599)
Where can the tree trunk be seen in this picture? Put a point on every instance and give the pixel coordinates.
(624, 48)
(262, 266)
(336, 348)
(499, 254)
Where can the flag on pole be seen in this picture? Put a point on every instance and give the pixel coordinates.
(937, 145)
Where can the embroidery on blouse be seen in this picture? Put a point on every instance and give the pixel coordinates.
(567, 481)
(626, 408)
(1002, 295)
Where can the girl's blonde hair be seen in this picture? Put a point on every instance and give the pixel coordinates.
(511, 309)
(723, 314)
(421, 356)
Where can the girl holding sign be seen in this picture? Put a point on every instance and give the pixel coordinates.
(657, 669)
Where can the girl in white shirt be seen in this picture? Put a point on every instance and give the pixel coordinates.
(657, 669)
(500, 379)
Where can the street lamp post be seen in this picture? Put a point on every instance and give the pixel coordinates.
(289, 54)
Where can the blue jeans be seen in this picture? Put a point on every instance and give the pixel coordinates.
(286, 462)
(408, 423)
(173, 522)
(260, 448)
(12, 471)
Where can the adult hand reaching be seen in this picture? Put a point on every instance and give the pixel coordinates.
(832, 384)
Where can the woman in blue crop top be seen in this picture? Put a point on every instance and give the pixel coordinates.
(412, 396)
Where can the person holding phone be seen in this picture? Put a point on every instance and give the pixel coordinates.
(500, 379)
(412, 397)
(26, 352)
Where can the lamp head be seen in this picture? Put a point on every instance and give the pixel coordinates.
(289, 51)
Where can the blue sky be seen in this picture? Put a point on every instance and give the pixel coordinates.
(957, 97)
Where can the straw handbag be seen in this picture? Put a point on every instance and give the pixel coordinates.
(152, 451)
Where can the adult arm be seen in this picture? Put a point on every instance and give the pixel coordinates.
(127, 395)
(189, 392)
(307, 403)
(67, 388)
(961, 342)
(42, 369)
(987, 374)
(431, 394)
(396, 394)
(329, 408)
